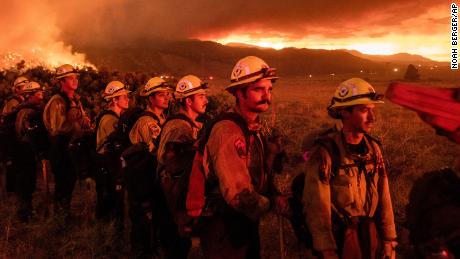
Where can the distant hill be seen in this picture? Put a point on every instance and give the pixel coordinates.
(210, 58)
(402, 58)
(244, 45)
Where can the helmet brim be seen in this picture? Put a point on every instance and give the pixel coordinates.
(180, 96)
(118, 93)
(356, 102)
(154, 90)
(67, 74)
(243, 83)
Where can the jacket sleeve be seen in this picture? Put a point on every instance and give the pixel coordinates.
(385, 214)
(145, 130)
(225, 148)
(317, 200)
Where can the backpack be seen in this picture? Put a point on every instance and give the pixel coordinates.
(119, 140)
(195, 196)
(138, 164)
(297, 217)
(7, 131)
(97, 124)
(37, 135)
(173, 183)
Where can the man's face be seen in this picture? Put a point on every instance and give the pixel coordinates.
(360, 119)
(160, 99)
(198, 103)
(122, 101)
(70, 82)
(257, 97)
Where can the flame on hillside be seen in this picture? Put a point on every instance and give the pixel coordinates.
(50, 57)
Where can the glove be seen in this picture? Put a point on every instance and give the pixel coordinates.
(388, 250)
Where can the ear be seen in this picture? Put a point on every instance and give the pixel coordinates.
(151, 98)
(188, 101)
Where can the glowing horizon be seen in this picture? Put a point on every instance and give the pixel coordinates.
(393, 44)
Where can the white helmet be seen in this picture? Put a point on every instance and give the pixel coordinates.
(31, 87)
(20, 82)
(65, 70)
(114, 89)
(155, 84)
(248, 70)
(189, 85)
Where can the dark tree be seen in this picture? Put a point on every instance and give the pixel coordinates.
(412, 73)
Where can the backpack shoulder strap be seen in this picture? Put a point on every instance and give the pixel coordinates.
(232, 116)
(181, 116)
(373, 139)
(328, 143)
(66, 100)
(152, 115)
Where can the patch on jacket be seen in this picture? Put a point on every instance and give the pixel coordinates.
(240, 147)
(155, 129)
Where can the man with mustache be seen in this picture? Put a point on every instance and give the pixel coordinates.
(174, 154)
(238, 167)
(346, 196)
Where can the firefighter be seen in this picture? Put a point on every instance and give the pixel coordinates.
(346, 196)
(108, 179)
(140, 171)
(148, 127)
(65, 121)
(30, 133)
(175, 152)
(238, 182)
(16, 98)
(7, 140)
(7, 133)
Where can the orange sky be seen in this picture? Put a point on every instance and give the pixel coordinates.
(425, 33)
(49, 28)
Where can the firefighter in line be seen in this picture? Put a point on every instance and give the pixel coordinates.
(346, 197)
(140, 181)
(238, 160)
(30, 135)
(175, 152)
(7, 132)
(65, 120)
(108, 181)
(16, 97)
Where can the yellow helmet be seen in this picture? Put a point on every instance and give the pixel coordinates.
(248, 70)
(20, 82)
(189, 85)
(114, 89)
(154, 85)
(31, 87)
(65, 70)
(351, 92)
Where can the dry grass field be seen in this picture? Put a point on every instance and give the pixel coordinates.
(299, 109)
